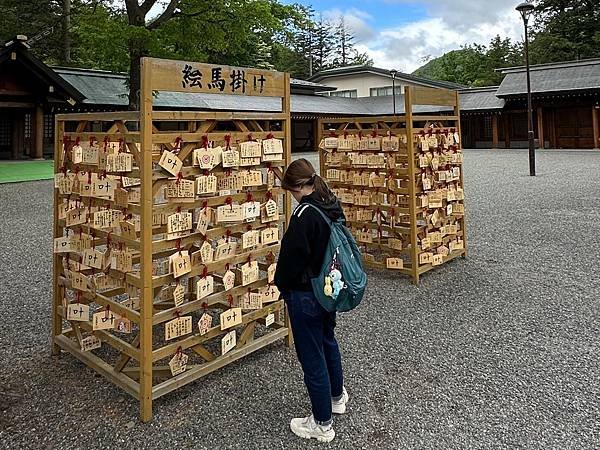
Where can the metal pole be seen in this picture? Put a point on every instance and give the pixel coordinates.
(530, 133)
(394, 93)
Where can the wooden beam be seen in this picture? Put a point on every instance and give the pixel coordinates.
(147, 293)
(410, 151)
(596, 127)
(494, 131)
(540, 125)
(56, 258)
(199, 371)
(506, 121)
(39, 132)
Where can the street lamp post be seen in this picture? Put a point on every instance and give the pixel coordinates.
(525, 9)
(393, 73)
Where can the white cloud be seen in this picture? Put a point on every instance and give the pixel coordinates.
(449, 25)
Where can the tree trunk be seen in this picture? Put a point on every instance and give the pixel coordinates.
(137, 49)
(66, 24)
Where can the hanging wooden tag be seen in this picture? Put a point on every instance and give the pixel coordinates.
(182, 190)
(62, 245)
(204, 323)
(395, 244)
(178, 327)
(206, 184)
(269, 236)
(270, 179)
(250, 149)
(79, 281)
(178, 363)
(104, 320)
(425, 258)
(269, 294)
(271, 273)
(178, 222)
(104, 188)
(251, 210)
(203, 220)
(251, 178)
(122, 325)
(225, 250)
(271, 208)
(250, 239)
(264, 218)
(394, 263)
(76, 217)
(170, 162)
(78, 312)
(128, 230)
(230, 213)
(90, 154)
(93, 258)
(90, 342)
(130, 182)
(250, 272)
(251, 300)
(228, 280)
(269, 320)
(231, 318)
(273, 146)
(425, 243)
(228, 342)
(181, 263)
(230, 158)
(231, 182)
(206, 252)
(179, 295)
(205, 286)
(247, 162)
(437, 260)
(119, 162)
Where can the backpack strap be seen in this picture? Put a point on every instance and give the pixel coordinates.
(328, 221)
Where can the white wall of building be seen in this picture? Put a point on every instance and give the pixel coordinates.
(362, 83)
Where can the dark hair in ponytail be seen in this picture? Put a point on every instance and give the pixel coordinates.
(302, 173)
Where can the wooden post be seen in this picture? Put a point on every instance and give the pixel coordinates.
(596, 127)
(56, 257)
(540, 124)
(146, 244)
(17, 136)
(412, 205)
(38, 133)
(462, 172)
(552, 127)
(506, 131)
(494, 131)
(287, 129)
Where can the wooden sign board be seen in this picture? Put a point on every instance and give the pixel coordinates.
(183, 76)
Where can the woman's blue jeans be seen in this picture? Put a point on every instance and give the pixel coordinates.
(317, 351)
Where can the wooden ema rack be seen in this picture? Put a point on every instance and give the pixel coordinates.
(400, 181)
(147, 303)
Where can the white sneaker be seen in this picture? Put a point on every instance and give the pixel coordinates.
(339, 406)
(307, 428)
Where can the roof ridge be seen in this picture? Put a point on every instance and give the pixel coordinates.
(551, 65)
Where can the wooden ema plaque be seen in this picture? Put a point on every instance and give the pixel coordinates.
(400, 182)
(168, 240)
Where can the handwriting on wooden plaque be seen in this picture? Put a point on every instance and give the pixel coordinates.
(178, 222)
(394, 263)
(178, 363)
(269, 320)
(104, 320)
(181, 263)
(269, 236)
(228, 342)
(90, 342)
(182, 190)
(179, 295)
(231, 318)
(78, 312)
(205, 286)
(204, 323)
(170, 162)
(228, 280)
(177, 327)
(250, 272)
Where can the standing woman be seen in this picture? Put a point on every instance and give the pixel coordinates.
(300, 259)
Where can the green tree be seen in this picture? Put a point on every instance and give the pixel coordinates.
(565, 30)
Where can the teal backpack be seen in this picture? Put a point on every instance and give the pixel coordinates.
(341, 284)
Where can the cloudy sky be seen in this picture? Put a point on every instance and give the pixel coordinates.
(400, 34)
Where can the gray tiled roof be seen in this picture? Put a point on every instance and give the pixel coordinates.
(107, 88)
(480, 99)
(547, 78)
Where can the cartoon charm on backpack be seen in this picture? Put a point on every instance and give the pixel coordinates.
(338, 284)
(328, 290)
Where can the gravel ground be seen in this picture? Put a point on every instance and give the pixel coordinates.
(499, 350)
